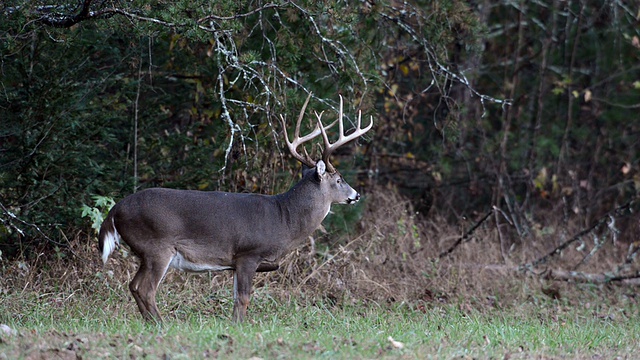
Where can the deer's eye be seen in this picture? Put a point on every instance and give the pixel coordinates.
(339, 181)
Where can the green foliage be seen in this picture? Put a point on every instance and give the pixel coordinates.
(98, 212)
(187, 94)
(195, 90)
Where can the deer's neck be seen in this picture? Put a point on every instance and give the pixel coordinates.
(303, 208)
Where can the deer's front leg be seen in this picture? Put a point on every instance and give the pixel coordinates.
(243, 274)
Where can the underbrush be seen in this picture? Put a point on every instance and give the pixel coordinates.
(342, 297)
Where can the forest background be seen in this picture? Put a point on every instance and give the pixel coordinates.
(506, 133)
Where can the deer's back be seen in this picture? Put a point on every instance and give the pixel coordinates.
(195, 221)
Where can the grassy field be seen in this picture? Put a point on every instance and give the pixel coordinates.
(70, 326)
(379, 293)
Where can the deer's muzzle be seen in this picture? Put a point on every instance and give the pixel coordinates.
(353, 200)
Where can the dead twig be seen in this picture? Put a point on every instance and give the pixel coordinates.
(466, 235)
(603, 220)
(578, 276)
(11, 217)
(563, 275)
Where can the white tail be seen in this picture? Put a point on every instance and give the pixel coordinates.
(109, 241)
(209, 231)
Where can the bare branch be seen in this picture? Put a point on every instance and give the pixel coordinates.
(466, 235)
(614, 104)
(238, 16)
(577, 276)
(54, 17)
(435, 66)
(603, 220)
(338, 47)
(632, 279)
(11, 217)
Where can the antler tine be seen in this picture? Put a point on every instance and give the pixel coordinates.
(329, 148)
(301, 116)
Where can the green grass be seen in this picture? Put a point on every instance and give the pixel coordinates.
(92, 326)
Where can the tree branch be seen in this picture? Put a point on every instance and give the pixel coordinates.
(577, 276)
(466, 235)
(579, 235)
(435, 66)
(52, 16)
(12, 217)
(238, 16)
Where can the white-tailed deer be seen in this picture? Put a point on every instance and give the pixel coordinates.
(207, 231)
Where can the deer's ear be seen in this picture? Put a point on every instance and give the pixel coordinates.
(321, 168)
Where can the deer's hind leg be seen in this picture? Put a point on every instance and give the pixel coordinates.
(144, 285)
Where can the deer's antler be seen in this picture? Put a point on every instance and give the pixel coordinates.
(329, 148)
(297, 140)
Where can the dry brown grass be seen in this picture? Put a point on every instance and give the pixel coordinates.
(393, 258)
(396, 257)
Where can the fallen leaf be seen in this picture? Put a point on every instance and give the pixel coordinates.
(395, 344)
